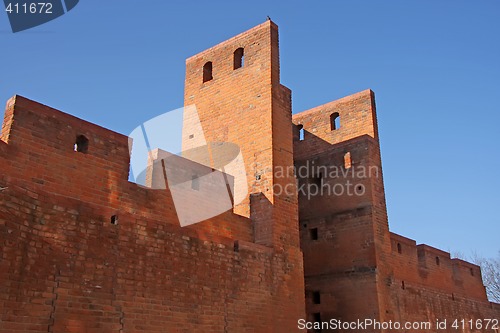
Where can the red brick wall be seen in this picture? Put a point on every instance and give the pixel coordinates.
(66, 268)
(40, 149)
(342, 263)
(357, 118)
(355, 264)
(250, 108)
(419, 264)
(421, 288)
(236, 105)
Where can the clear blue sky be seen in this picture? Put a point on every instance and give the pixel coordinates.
(434, 66)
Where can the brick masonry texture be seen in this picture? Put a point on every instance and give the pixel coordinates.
(357, 267)
(84, 250)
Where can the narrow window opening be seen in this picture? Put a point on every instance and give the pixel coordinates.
(313, 233)
(317, 180)
(301, 132)
(472, 272)
(317, 319)
(437, 261)
(453, 296)
(399, 249)
(316, 297)
(114, 219)
(239, 58)
(334, 121)
(236, 246)
(402, 285)
(347, 160)
(195, 183)
(81, 144)
(207, 72)
(191, 136)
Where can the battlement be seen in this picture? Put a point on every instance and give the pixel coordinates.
(43, 132)
(425, 265)
(74, 230)
(258, 48)
(61, 154)
(335, 122)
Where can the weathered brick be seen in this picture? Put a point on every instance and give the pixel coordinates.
(65, 267)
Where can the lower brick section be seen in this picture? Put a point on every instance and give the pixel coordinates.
(66, 268)
(419, 304)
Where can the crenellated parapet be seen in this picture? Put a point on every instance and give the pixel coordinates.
(58, 153)
(423, 265)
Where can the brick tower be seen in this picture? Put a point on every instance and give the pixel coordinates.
(236, 89)
(338, 153)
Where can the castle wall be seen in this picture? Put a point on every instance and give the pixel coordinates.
(66, 268)
(354, 267)
(425, 304)
(236, 104)
(41, 149)
(84, 250)
(425, 284)
(249, 107)
(345, 162)
(428, 266)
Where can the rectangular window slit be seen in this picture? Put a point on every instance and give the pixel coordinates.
(313, 233)
(316, 297)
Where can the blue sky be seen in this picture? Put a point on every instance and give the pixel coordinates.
(434, 67)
